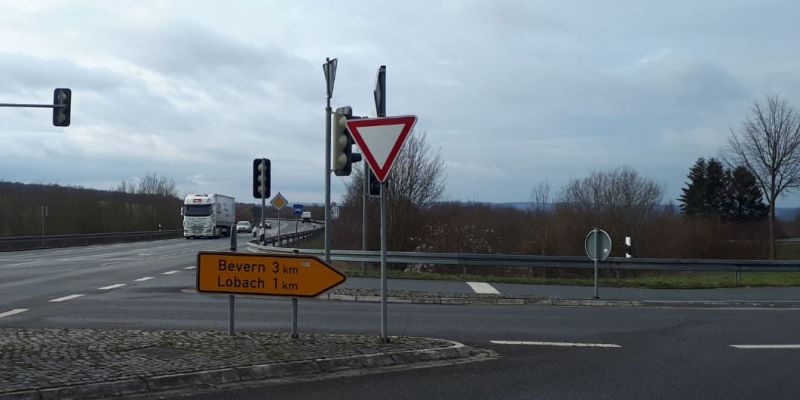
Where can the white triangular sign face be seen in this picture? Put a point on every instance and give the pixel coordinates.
(380, 140)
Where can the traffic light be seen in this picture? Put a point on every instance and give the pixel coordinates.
(261, 178)
(61, 106)
(374, 185)
(342, 156)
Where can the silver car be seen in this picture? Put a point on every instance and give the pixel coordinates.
(243, 226)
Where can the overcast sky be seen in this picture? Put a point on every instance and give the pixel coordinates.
(512, 93)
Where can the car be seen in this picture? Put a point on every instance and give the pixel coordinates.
(244, 226)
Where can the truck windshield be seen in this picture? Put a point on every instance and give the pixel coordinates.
(200, 210)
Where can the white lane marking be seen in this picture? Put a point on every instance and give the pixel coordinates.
(13, 312)
(190, 267)
(146, 278)
(144, 254)
(18, 264)
(170, 272)
(65, 298)
(109, 287)
(766, 346)
(558, 344)
(482, 287)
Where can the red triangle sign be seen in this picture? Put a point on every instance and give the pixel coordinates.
(381, 139)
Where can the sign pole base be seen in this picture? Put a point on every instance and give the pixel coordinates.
(294, 318)
(231, 313)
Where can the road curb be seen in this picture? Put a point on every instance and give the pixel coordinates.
(210, 378)
(425, 298)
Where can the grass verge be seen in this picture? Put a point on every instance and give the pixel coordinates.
(651, 280)
(648, 279)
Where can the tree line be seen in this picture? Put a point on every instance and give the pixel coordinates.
(726, 210)
(148, 205)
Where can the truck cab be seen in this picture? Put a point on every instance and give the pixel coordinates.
(207, 215)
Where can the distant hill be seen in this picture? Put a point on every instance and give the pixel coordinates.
(786, 213)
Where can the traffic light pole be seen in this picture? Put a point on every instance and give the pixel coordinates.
(263, 228)
(379, 95)
(61, 106)
(33, 105)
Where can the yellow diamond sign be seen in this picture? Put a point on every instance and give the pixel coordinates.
(278, 201)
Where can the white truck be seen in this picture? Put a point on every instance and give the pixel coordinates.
(207, 215)
(306, 216)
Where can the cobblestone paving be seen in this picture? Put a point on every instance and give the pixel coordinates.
(43, 358)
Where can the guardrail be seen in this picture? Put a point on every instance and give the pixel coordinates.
(33, 242)
(288, 238)
(509, 260)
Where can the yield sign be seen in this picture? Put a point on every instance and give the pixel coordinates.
(381, 139)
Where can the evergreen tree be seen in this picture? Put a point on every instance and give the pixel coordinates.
(714, 191)
(744, 200)
(692, 197)
(715, 188)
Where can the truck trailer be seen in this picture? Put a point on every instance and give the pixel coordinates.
(207, 215)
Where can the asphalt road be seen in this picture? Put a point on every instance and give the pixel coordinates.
(662, 352)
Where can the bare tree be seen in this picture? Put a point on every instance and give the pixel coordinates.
(417, 180)
(541, 216)
(541, 194)
(155, 185)
(621, 191)
(768, 144)
(619, 200)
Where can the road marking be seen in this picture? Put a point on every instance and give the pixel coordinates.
(559, 344)
(482, 287)
(109, 287)
(13, 312)
(170, 272)
(191, 267)
(18, 264)
(144, 254)
(146, 278)
(65, 298)
(766, 346)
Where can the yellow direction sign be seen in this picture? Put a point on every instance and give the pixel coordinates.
(265, 274)
(278, 201)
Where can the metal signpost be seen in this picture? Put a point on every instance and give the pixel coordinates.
(598, 247)
(380, 141)
(265, 274)
(231, 300)
(379, 94)
(329, 68)
(279, 202)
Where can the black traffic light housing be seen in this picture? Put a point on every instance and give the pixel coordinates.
(374, 185)
(62, 99)
(261, 178)
(342, 156)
